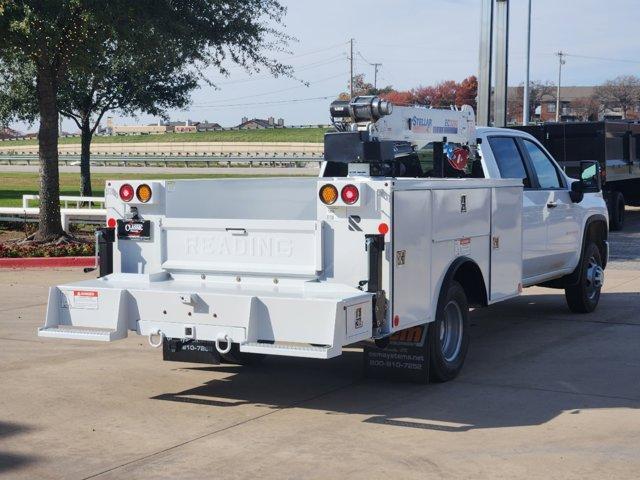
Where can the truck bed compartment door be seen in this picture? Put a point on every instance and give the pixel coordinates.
(411, 256)
(506, 242)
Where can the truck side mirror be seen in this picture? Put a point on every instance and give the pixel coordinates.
(590, 181)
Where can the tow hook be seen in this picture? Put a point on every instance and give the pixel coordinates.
(157, 333)
(223, 337)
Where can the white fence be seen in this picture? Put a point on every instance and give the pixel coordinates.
(188, 159)
(85, 210)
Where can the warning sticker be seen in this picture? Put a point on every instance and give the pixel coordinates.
(86, 299)
(462, 246)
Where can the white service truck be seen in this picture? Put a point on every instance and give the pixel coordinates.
(416, 217)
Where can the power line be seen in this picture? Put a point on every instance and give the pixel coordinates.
(310, 66)
(607, 59)
(280, 90)
(275, 102)
(331, 47)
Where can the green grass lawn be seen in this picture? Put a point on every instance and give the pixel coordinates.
(298, 135)
(14, 185)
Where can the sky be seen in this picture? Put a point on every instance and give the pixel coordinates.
(418, 42)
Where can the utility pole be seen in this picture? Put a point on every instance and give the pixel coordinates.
(525, 97)
(561, 61)
(351, 70)
(375, 74)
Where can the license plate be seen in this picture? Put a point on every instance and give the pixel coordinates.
(192, 351)
(134, 229)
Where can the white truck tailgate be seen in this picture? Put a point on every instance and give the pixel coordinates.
(274, 247)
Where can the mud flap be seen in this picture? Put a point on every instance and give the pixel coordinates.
(405, 358)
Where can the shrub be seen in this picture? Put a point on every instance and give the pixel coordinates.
(21, 250)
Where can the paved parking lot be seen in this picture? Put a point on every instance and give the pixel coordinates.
(544, 394)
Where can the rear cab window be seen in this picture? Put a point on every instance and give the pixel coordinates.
(508, 159)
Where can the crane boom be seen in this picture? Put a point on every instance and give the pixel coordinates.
(421, 126)
(373, 130)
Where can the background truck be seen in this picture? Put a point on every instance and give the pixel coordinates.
(416, 217)
(615, 145)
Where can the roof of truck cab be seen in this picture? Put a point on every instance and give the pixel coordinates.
(502, 131)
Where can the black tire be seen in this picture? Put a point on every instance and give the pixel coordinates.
(584, 297)
(445, 358)
(236, 357)
(616, 211)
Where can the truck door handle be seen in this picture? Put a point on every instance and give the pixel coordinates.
(552, 205)
(237, 231)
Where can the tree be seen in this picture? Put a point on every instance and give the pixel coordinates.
(361, 87)
(125, 78)
(587, 109)
(448, 93)
(622, 92)
(399, 98)
(39, 35)
(441, 95)
(60, 39)
(538, 91)
(467, 92)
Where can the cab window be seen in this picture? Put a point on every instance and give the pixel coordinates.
(509, 160)
(547, 173)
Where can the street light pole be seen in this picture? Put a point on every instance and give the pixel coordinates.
(525, 98)
(485, 63)
(502, 62)
(561, 61)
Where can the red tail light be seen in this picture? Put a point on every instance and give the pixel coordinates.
(126, 192)
(350, 194)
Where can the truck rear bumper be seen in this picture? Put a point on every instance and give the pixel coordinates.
(293, 318)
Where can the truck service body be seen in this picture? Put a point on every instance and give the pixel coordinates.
(383, 241)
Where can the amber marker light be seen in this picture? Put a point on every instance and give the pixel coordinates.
(143, 192)
(328, 194)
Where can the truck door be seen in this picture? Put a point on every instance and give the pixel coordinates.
(511, 164)
(560, 213)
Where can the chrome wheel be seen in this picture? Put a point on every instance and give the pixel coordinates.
(451, 328)
(594, 278)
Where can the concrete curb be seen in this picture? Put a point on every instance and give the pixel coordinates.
(47, 262)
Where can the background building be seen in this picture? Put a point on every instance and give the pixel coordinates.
(256, 123)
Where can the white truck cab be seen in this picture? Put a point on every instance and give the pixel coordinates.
(416, 217)
(556, 220)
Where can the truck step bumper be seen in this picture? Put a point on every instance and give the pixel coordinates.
(300, 319)
(291, 350)
(77, 333)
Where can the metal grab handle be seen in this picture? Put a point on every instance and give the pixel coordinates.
(552, 205)
(225, 338)
(160, 335)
